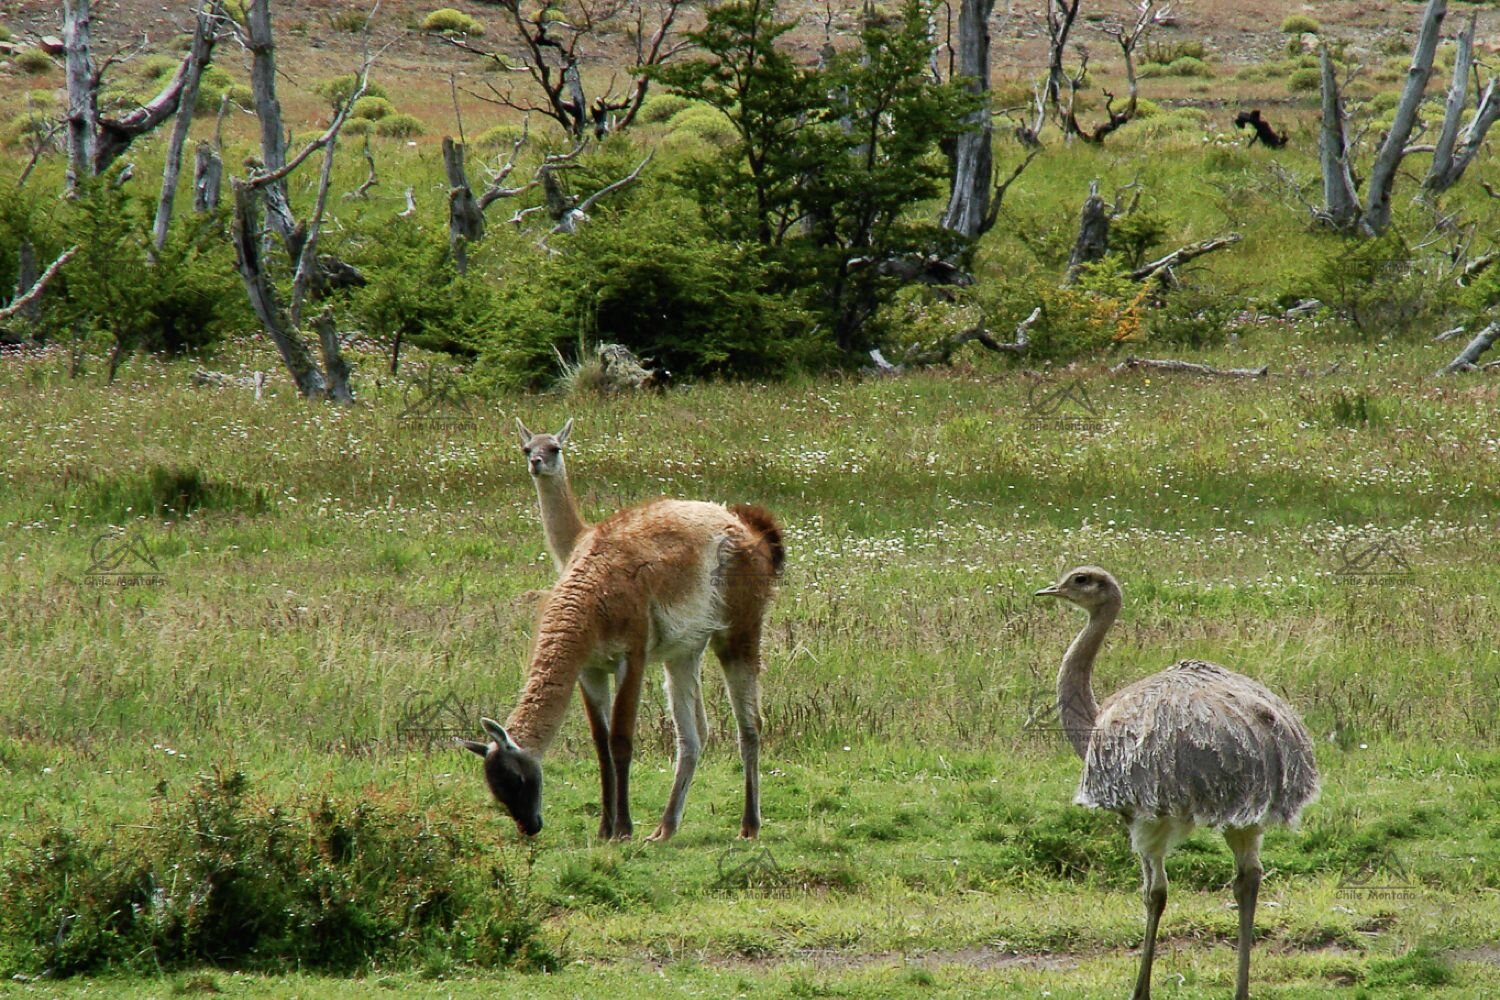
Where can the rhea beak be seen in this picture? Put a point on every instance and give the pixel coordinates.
(1049, 591)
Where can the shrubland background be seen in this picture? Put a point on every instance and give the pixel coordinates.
(213, 777)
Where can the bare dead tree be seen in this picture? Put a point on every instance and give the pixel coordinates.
(1161, 269)
(371, 178)
(1340, 199)
(1376, 217)
(1094, 221)
(1458, 144)
(94, 140)
(1060, 15)
(281, 324)
(1342, 208)
(199, 53)
(555, 39)
(972, 161)
(1148, 16)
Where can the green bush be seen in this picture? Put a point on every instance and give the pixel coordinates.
(34, 62)
(350, 21)
(702, 122)
(661, 107)
(415, 295)
(1181, 66)
(212, 86)
(232, 879)
(27, 127)
(497, 136)
(338, 89)
(358, 126)
(663, 285)
(1300, 24)
(373, 108)
(1376, 288)
(1302, 81)
(448, 20)
(399, 126)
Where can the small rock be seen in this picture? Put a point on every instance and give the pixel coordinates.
(52, 45)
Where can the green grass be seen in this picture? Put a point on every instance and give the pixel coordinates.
(319, 572)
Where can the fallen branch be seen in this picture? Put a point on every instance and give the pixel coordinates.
(1457, 331)
(940, 352)
(1466, 359)
(1159, 268)
(1190, 367)
(25, 298)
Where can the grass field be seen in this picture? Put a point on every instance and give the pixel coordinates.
(323, 581)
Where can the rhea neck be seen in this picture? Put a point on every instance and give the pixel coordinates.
(1076, 706)
(561, 522)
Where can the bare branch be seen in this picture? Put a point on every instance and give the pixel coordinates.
(1469, 355)
(1189, 367)
(1158, 269)
(569, 222)
(39, 285)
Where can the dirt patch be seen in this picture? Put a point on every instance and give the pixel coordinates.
(1489, 955)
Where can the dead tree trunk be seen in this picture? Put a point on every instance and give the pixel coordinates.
(273, 317)
(83, 95)
(208, 174)
(465, 219)
(334, 365)
(1377, 213)
(1340, 203)
(262, 46)
(1093, 234)
(973, 155)
(1469, 355)
(198, 56)
(1456, 149)
(1060, 16)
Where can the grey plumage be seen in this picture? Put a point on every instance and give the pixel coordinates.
(1200, 742)
(1193, 745)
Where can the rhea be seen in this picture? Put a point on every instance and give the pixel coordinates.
(1193, 745)
(663, 580)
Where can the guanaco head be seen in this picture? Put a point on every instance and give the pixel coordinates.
(544, 452)
(1089, 587)
(514, 776)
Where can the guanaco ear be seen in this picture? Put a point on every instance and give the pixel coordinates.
(562, 435)
(482, 749)
(499, 735)
(526, 435)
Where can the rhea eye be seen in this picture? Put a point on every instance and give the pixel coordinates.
(1080, 579)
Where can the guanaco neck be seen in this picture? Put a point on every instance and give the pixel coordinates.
(566, 635)
(1076, 707)
(561, 522)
